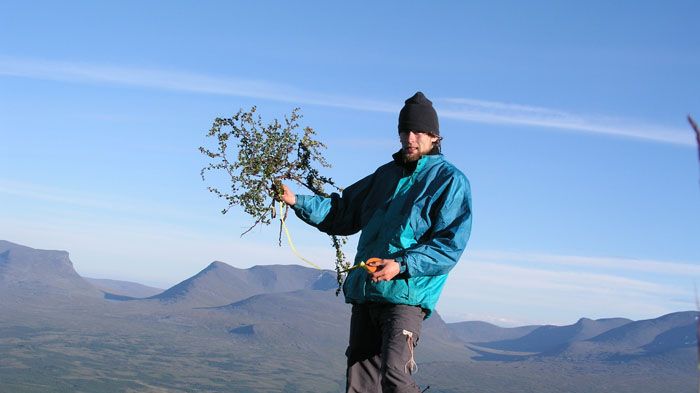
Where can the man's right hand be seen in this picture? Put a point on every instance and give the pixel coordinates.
(386, 269)
(288, 196)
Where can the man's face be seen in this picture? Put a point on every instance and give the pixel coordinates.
(416, 144)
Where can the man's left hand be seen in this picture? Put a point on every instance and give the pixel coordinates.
(386, 270)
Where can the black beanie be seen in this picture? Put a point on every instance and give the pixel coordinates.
(418, 115)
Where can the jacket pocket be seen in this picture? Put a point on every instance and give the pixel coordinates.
(393, 291)
(354, 286)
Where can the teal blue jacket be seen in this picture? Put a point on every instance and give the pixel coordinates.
(420, 218)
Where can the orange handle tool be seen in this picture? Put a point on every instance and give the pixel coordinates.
(369, 268)
(365, 265)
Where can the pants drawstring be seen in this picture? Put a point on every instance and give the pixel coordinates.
(410, 366)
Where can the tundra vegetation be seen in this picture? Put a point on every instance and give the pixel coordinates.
(252, 159)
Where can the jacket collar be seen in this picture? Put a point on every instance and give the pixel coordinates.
(410, 167)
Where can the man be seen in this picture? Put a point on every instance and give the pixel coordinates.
(415, 216)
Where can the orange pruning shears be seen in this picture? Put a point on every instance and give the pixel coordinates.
(365, 265)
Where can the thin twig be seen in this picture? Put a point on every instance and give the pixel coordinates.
(697, 140)
(258, 221)
(697, 133)
(279, 236)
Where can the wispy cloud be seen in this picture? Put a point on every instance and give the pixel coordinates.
(63, 196)
(468, 110)
(539, 287)
(656, 267)
(585, 284)
(502, 113)
(93, 203)
(179, 81)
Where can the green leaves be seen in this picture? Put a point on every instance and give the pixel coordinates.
(256, 157)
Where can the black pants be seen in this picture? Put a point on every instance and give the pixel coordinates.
(380, 353)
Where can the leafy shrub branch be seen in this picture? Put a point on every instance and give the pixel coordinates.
(256, 158)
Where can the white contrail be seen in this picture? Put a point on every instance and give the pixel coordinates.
(463, 109)
(502, 113)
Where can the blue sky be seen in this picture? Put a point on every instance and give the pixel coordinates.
(568, 119)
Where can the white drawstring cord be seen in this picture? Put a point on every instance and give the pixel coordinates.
(410, 366)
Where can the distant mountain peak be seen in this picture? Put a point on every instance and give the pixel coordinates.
(220, 283)
(548, 338)
(217, 265)
(41, 272)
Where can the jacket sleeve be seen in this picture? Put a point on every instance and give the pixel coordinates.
(337, 215)
(438, 251)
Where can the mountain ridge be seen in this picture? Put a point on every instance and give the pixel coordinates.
(549, 337)
(36, 272)
(220, 283)
(281, 328)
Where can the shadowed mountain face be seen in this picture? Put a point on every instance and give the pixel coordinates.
(124, 289)
(548, 338)
(28, 271)
(639, 338)
(683, 336)
(639, 333)
(478, 331)
(219, 284)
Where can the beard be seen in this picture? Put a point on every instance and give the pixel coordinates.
(410, 155)
(414, 153)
